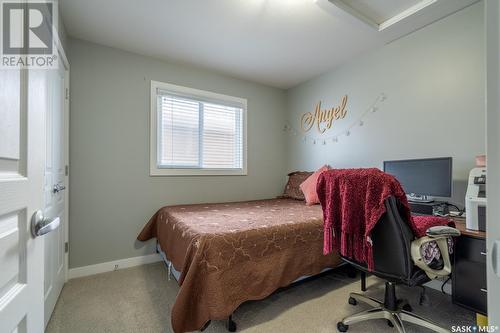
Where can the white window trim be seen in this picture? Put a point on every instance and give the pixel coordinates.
(154, 170)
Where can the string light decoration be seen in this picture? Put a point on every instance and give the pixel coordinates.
(359, 121)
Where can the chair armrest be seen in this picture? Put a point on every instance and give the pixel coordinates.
(442, 232)
(416, 255)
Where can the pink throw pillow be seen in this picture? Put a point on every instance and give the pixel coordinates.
(308, 186)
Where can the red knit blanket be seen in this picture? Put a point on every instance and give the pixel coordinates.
(353, 202)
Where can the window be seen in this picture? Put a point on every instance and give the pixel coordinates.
(195, 132)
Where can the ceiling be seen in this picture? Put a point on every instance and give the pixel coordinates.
(381, 10)
(280, 43)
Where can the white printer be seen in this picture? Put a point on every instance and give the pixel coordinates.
(475, 200)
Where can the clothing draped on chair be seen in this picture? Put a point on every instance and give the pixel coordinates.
(353, 202)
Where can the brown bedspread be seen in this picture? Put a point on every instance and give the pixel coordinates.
(233, 252)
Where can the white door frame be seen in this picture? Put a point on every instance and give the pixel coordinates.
(66, 112)
(55, 173)
(492, 19)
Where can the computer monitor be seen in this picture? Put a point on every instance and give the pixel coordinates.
(423, 179)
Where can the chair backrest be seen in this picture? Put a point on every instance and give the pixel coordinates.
(392, 237)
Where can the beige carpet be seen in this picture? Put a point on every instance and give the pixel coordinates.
(139, 300)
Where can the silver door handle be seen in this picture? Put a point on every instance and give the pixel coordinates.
(58, 188)
(495, 258)
(41, 225)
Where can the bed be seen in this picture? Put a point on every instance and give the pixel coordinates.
(229, 253)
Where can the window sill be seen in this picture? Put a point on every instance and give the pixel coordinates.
(154, 172)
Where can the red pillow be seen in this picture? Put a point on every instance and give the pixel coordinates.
(308, 187)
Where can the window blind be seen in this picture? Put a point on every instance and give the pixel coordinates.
(199, 133)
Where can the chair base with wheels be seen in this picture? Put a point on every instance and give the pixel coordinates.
(393, 310)
(397, 260)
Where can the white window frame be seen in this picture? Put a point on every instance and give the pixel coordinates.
(154, 168)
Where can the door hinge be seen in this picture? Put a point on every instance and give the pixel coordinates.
(66, 247)
(66, 170)
(67, 93)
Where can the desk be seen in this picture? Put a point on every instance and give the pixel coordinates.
(460, 222)
(469, 269)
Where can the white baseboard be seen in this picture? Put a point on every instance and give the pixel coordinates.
(109, 266)
(112, 265)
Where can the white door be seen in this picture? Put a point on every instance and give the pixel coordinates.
(55, 188)
(492, 14)
(22, 156)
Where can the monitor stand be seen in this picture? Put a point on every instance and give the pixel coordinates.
(412, 197)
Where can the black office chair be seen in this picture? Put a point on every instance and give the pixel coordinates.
(397, 260)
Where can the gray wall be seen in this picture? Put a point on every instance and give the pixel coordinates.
(112, 195)
(435, 83)
(433, 78)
